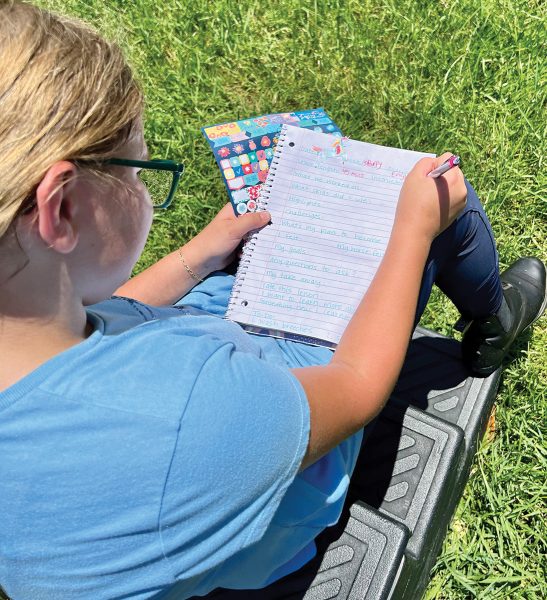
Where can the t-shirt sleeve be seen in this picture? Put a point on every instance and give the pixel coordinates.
(242, 438)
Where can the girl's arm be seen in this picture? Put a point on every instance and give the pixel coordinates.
(212, 249)
(349, 392)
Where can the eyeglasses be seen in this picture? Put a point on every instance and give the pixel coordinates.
(161, 177)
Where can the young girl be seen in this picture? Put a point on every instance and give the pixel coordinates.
(146, 445)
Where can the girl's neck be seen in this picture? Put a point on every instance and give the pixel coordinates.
(30, 341)
(42, 309)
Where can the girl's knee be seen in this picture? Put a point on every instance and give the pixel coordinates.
(473, 202)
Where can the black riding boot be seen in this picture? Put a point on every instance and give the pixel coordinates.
(486, 341)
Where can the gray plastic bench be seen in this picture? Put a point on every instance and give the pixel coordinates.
(408, 481)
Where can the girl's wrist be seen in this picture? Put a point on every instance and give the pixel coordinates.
(411, 238)
(196, 263)
(188, 268)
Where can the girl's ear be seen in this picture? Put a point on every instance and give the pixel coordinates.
(55, 204)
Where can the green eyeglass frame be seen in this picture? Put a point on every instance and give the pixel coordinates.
(157, 165)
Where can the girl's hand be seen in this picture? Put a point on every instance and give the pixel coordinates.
(215, 246)
(427, 204)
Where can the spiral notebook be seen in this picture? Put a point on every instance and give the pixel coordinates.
(332, 203)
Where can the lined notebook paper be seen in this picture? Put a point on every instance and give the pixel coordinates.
(333, 205)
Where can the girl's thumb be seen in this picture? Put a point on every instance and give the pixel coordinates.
(250, 221)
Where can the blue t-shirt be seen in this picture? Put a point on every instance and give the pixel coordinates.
(160, 457)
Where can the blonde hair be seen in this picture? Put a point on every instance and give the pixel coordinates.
(65, 94)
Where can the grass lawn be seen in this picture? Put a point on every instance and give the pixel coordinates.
(466, 76)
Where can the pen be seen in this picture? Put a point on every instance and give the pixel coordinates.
(453, 161)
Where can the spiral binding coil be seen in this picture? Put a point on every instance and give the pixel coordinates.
(250, 243)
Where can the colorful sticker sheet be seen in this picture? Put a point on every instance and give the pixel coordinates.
(244, 150)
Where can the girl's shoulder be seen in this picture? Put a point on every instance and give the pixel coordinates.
(148, 359)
